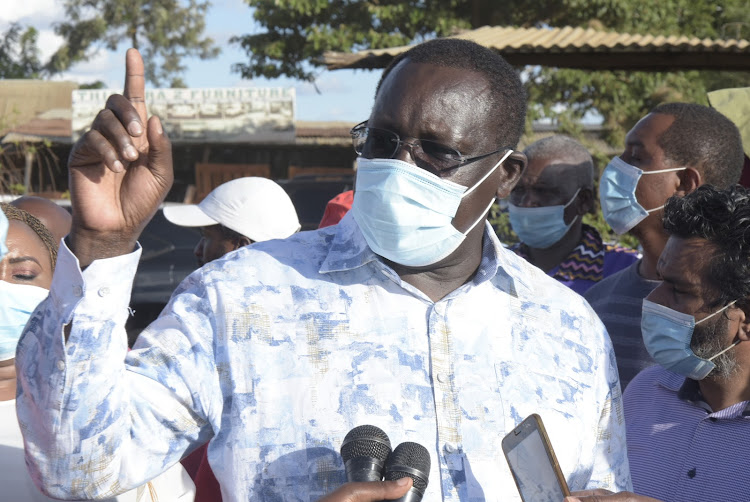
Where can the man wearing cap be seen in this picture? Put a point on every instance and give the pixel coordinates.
(235, 214)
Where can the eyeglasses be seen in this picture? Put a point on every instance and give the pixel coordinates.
(374, 143)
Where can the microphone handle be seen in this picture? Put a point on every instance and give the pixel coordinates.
(364, 469)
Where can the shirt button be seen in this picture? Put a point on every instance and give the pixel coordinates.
(442, 377)
(449, 448)
(60, 365)
(103, 291)
(77, 290)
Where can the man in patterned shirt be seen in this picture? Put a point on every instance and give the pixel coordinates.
(408, 315)
(546, 211)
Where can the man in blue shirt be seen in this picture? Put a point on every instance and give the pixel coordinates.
(408, 315)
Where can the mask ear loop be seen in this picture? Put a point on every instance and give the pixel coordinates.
(489, 173)
(483, 213)
(657, 172)
(733, 344)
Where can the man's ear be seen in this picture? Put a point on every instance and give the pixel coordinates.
(513, 166)
(241, 242)
(743, 313)
(586, 201)
(690, 179)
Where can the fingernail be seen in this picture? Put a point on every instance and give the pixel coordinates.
(135, 129)
(118, 167)
(131, 152)
(159, 129)
(402, 481)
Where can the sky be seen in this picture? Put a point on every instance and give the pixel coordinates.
(344, 94)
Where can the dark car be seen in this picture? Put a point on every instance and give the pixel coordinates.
(311, 193)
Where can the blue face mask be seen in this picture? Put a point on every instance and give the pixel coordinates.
(667, 334)
(540, 227)
(405, 213)
(17, 303)
(617, 194)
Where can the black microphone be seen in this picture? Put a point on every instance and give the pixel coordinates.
(364, 450)
(412, 460)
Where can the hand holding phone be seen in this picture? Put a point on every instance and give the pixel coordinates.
(533, 463)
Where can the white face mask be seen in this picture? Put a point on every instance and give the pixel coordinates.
(405, 213)
(17, 303)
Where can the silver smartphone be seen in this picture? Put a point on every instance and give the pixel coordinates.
(533, 463)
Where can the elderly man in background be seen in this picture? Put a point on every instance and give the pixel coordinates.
(670, 152)
(546, 211)
(276, 351)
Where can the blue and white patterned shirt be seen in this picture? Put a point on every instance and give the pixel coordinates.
(278, 350)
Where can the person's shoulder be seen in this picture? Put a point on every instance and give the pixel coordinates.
(603, 288)
(618, 257)
(533, 285)
(303, 252)
(642, 385)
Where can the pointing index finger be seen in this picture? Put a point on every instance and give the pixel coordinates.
(135, 88)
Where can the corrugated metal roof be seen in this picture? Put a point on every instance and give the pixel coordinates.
(22, 100)
(581, 48)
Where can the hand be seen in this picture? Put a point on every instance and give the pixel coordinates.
(373, 491)
(120, 171)
(607, 496)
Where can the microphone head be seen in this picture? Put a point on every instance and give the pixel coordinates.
(409, 460)
(366, 441)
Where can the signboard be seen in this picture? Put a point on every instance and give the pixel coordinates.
(218, 115)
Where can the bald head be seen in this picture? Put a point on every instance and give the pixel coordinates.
(55, 218)
(564, 150)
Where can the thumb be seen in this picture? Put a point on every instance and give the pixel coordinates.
(159, 151)
(395, 489)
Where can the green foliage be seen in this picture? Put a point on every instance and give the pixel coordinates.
(165, 31)
(17, 189)
(296, 33)
(19, 54)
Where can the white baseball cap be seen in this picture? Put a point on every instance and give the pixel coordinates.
(257, 208)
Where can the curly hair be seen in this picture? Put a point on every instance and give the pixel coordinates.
(703, 138)
(508, 95)
(13, 213)
(722, 217)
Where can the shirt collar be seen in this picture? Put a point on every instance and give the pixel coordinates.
(349, 250)
(689, 391)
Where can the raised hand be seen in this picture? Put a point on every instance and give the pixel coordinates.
(119, 172)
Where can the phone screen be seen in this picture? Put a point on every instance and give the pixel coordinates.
(532, 468)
